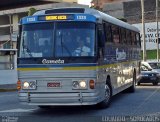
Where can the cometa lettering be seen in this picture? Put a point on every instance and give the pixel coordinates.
(59, 61)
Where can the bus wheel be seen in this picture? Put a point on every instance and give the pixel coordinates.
(138, 83)
(108, 94)
(155, 83)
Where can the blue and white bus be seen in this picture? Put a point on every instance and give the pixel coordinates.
(52, 73)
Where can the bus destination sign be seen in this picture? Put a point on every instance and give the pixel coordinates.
(59, 17)
(55, 17)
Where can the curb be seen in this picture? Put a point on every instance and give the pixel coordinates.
(8, 87)
(7, 90)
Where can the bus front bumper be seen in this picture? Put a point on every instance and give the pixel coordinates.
(60, 99)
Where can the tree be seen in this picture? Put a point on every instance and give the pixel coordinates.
(31, 11)
(95, 6)
(123, 19)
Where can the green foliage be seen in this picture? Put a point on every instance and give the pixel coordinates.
(123, 19)
(96, 7)
(31, 11)
(151, 54)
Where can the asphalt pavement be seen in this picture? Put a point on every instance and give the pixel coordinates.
(135, 106)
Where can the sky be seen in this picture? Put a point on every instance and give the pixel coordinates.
(86, 2)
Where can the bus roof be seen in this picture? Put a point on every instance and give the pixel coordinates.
(99, 15)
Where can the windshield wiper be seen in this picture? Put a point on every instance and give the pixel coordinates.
(25, 47)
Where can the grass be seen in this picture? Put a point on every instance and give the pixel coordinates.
(151, 54)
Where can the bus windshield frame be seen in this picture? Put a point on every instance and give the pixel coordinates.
(57, 39)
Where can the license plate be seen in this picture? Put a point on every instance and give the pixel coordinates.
(54, 84)
(153, 78)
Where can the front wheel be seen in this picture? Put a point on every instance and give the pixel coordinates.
(155, 83)
(108, 94)
(138, 83)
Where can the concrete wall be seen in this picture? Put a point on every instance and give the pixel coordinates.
(131, 10)
(8, 77)
(4, 62)
(115, 9)
(101, 3)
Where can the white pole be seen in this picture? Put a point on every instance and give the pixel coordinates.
(157, 30)
(143, 31)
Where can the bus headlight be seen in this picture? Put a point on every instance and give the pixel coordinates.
(75, 85)
(32, 85)
(25, 85)
(29, 85)
(79, 84)
(82, 84)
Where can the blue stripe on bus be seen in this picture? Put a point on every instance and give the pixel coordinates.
(54, 65)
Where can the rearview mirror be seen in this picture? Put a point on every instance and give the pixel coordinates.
(143, 68)
(149, 69)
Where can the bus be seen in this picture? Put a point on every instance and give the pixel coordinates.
(54, 71)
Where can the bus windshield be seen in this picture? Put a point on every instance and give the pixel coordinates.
(59, 39)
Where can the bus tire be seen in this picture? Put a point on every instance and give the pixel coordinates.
(108, 95)
(138, 83)
(132, 88)
(155, 83)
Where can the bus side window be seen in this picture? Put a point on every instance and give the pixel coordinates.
(123, 36)
(101, 40)
(138, 40)
(115, 34)
(128, 35)
(108, 33)
(133, 38)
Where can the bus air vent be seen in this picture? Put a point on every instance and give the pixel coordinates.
(65, 10)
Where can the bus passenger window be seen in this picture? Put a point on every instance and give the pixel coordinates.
(123, 35)
(115, 34)
(138, 39)
(108, 32)
(101, 38)
(133, 38)
(128, 35)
